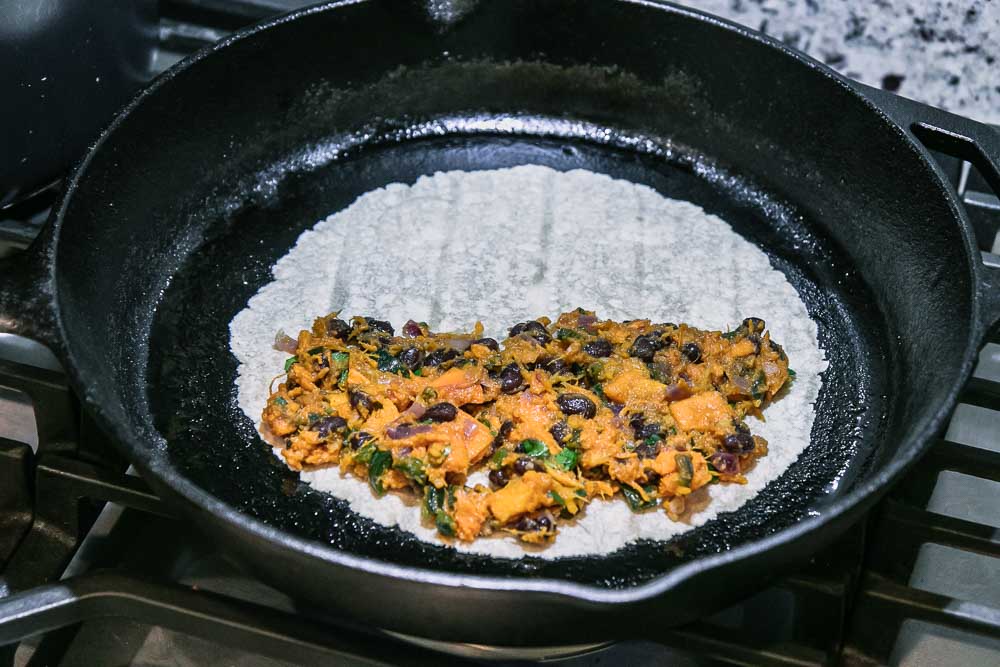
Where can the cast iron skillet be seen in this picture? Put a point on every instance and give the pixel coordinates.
(173, 219)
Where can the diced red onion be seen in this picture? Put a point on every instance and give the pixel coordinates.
(404, 451)
(677, 392)
(741, 383)
(406, 430)
(460, 344)
(412, 329)
(416, 410)
(726, 463)
(586, 322)
(469, 428)
(284, 343)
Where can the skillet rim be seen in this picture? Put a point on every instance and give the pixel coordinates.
(136, 447)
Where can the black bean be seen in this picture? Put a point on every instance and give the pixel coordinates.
(647, 450)
(358, 438)
(553, 366)
(560, 431)
(738, 443)
(576, 404)
(643, 429)
(488, 342)
(742, 428)
(691, 352)
(411, 357)
(645, 346)
(544, 522)
(337, 328)
(438, 357)
(327, 425)
(524, 464)
(379, 326)
(526, 525)
(660, 371)
(534, 329)
(598, 348)
(501, 435)
(511, 379)
(441, 412)
(499, 478)
(362, 402)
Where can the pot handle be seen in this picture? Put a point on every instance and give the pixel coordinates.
(27, 302)
(959, 137)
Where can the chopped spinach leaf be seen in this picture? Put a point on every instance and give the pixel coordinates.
(635, 500)
(554, 495)
(413, 468)
(685, 471)
(289, 362)
(316, 350)
(445, 524)
(281, 401)
(563, 333)
(791, 373)
(381, 461)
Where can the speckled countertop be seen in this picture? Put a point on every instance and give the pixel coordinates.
(936, 51)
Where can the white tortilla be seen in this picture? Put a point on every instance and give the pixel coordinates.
(513, 244)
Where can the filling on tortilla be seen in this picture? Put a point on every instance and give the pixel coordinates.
(557, 414)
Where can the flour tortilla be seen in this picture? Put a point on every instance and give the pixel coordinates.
(509, 245)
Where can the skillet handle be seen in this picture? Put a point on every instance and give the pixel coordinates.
(27, 302)
(963, 138)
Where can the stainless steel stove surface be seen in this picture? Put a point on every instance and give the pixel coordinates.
(106, 575)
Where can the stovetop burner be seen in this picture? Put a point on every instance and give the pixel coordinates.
(104, 573)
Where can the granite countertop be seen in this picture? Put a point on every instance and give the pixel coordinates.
(939, 52)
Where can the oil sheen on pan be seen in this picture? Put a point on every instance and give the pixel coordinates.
(505, 246)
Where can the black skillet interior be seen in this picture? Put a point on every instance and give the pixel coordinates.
(214, 443)
(212, 177)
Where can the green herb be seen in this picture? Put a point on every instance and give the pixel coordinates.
(428, 394)
(342, 379)
(581, 493)
(380, 462)
(418, 372)
(554, 495)
(729, 335)
(445, 524)
(316, 350)
(652, 440)
(599, 390)
(671, 431)
(313, 416)
(486, 422)
(759, 385)
(289, 362)
(564, 333)
(791, 373)
(685, 471)
(413, 468)
(450, 496)
(565, 460)
(534, 448)
(340, 357)
(497, 460)
(635, 499)
(281, 401)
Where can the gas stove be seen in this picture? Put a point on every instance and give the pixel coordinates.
(106, 574)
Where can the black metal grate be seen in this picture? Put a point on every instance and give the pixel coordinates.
(847, 606)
